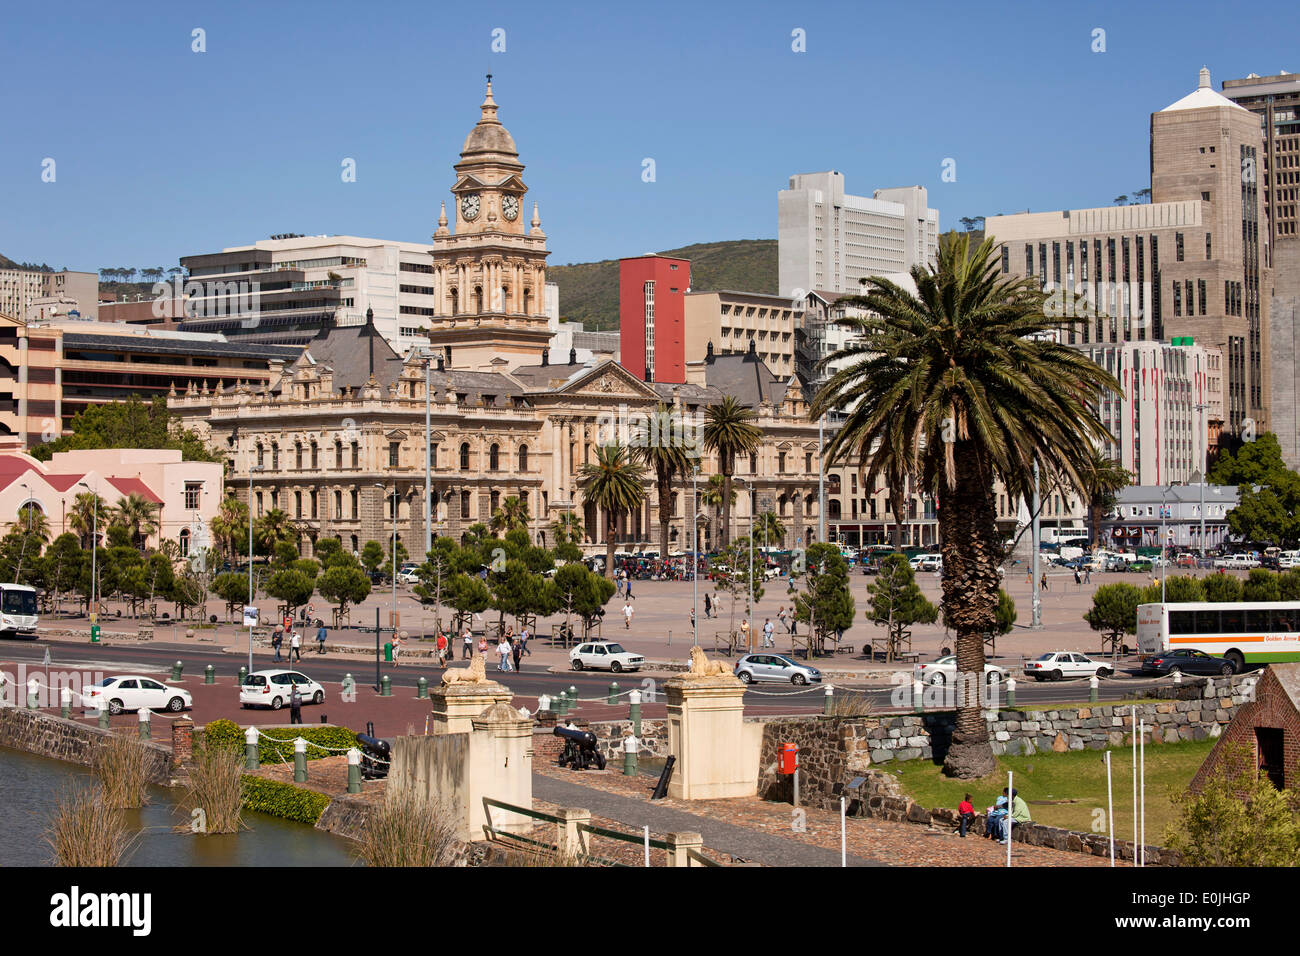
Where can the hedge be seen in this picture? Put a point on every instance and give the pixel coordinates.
(227, 735)
(278, 799)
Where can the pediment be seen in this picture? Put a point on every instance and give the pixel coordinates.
(609, 380)
(396, 435)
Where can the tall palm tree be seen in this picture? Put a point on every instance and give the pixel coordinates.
(272, 528)
(962, 384)
(613, 482)
(229, 525)
(138, 515)
(567, 528)
(32, 523)
(663, 449)
(729, 430)
(712, 495)
(1102, 478)
(769, 529)
(82, 516)
(512, 513)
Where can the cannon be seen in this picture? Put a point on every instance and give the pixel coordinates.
(580, 751)
(373, 751)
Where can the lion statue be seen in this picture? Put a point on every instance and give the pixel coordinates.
(701, 666)
(476, 673)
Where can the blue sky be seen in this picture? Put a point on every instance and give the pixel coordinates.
(162, 152)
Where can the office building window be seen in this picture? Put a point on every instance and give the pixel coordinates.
(1178, 246)
(193, 492)
(1207, 246)
(394, 453)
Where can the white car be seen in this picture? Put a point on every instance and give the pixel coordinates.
(272, 689)
(1236, 562)
(1055, 665)
(135, 692)
(604, 655)
(929, 562)
(1288, 559)
(944, 671)
(408, 576)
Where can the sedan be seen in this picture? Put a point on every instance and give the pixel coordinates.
(134, 692)
(604, 655)
(1055, 665)
(273, 688)
(777, 668)
(945, 669)
(1187, 661)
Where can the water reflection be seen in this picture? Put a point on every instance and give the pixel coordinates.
(29, 787)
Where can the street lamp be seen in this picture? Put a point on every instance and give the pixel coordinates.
(25, 510)
(1205, 467)
(251, 469)
(394, 615)
(1164, 538)
(94, 548)
(749, 608)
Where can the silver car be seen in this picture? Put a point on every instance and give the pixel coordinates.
(775, 667)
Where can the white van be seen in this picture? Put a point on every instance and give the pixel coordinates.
(1288, 559)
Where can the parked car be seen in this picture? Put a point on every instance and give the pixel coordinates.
(271, 688)
(135, 692)
(1236, 562)
(944, 671)
(606, 656)
(1055, 665)
(1288, 559)
(775, 668)
(408, 576)
(1142, 565)
(1184, 660)
(928, 562)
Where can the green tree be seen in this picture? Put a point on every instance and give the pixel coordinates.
(229, 527)
(1183, 589)
(88, 513)
(1222, 588)
(567, 529)
(897, 604)
(291, 586)
(63, 562)
(613, 482)
(769, 531)
(273, 529)
(138, 515)
(1114, 613)
(1006, 612)
(467, 596)
(662, 444)
(729, 430)
(231, 588)
(735, 581)
(372, 556)
(512, 513)
(1238, 819)
(1261, 585)
(963, 384)
(1288, 584)
(819, 582)
(342, 585)
(128, 424)
(582, 592)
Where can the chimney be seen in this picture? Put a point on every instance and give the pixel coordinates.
(708, 353)
(573, 356)
(546, 357)
(441, 367)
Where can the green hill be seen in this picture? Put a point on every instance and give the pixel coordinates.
(589, 290)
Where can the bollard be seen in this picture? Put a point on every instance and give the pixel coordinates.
(349, 687)
(829, 701)
(33, 691)
(1093, 682)
(385, 686)
(918, 696)
(354, 770)
(177, 669)
(251, 758)
(634, 711)
(629, 756)
(543, 704)
(1178, 677)
(300, 761)
(209, 675)
(1011, 692)
(613, 694)
(65, 702)
(243, 673)
(573, 698)
(422, 689)
(560, 702)
(143, 714)
(103, 718)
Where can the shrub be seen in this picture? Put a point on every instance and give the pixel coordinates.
(85, 831)
(407, 830)
(278, 799)
(276, 744)
(224, 734)
(122, 769)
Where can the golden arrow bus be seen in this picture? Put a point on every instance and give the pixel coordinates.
(1241, 633)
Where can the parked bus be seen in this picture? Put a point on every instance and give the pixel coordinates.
(18, 616)
(1247, 632)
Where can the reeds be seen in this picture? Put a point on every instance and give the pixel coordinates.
(215, 789)
(85, 831)
(407, 830)
(850, 705)
(121, 765)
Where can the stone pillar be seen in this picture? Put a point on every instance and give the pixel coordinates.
(679, 845)
(182, 741)
(568, 840)
(454, 706)
(717, 752)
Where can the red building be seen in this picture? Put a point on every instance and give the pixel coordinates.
(652, 317)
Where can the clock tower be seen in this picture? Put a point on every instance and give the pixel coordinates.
(490, 274)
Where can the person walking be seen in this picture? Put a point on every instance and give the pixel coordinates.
(516, 651)
(1042, 581)
(708, 606)
(295, 647)
(467, 642)
(1087, 574)
(1077, 580)
(692, 618)
(321, 634)
(397, 648)
(768, 631)
(627, 616)
(965, 815)
(744, 633)
(503, 655)
(523, 641)
(295, 705)
(277, 640)
(628, 589)
(781, 616)
(442, 649)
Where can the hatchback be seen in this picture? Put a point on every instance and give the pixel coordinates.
(134, 692)
(776, 668)
(272, 689)
(604, 655)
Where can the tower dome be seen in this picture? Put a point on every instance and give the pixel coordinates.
(488, 135)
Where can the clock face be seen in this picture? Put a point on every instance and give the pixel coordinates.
(510, 207)
(469, 206)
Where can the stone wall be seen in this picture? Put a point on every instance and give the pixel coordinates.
(48, 735)
(609, 739)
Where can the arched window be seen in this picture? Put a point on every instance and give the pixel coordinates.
(261, 456)
(297, 455)
(464, 504)
(315, 456)
(494, 458)
(464, 456)
(275, 456)
(523, 458)
(833, 507)
(338, 505)
(185, 542)
(338, 454)
(354, 544)
(455, 302)
(478, 299)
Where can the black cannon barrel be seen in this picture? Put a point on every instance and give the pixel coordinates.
(584, 737)
(373, 743)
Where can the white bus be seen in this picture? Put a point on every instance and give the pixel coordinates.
(1241, 633)
(18, 616)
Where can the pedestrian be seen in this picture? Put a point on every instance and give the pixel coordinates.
(1042, 581)
(768, 632)
(442, 649)
(794, 624)
(618, 584)
(277, 640)
(629, 589)
(780, 616)
(965, 815)
(482, 644)
(295, 705)
(467, 643)
(708, 605)
(516, 651)
(295, 647)
(321, 634)
(1077, 579)
(397, 648)
(523, 641)
(744, 632)
(692, 619)
(994, 814)
(1087, 574)
(1029, 573)
(1018, 816)
(627, 616)
(503, 655)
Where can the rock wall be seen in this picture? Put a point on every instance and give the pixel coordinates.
(48, 735)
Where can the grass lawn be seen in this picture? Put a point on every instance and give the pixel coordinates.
(1062, 790)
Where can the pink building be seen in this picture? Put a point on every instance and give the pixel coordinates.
(188, 493)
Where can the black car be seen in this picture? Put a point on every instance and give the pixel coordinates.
(1186, 661)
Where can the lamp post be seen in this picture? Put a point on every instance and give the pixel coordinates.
(1164, 538)
(251, 596)
(393, 620)
(25, 511)
(94, 548)
(821, 481)
(749, 608)
(1205, 467)
(695, 555)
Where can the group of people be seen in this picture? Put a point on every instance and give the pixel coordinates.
(295, 641)
(510, 649)
(1008, 811)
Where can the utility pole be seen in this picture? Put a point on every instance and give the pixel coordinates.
(1037, 619)
(821, 480)
(428, 457)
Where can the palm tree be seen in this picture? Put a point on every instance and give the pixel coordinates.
(729, 431)
(712, 495)
(272, 528)
(1102, 478)
(82, 516)
(138, 515)
(613, 482)
(661, 449)
(963, 384)
(769, 529)
(511, 514)
(32, 523)
(229, 525)
(567, 528)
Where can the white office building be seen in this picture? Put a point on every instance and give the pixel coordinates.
(830, 240)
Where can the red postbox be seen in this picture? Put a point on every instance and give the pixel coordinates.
(789, 758)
